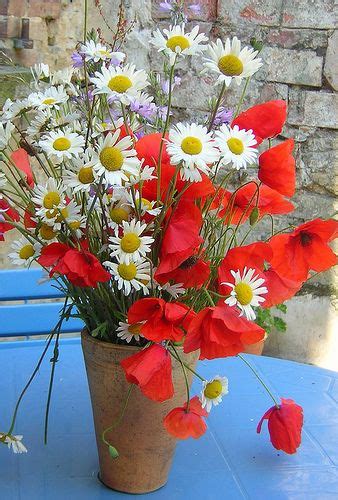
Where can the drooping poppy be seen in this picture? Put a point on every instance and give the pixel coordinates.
(304, 249)
(191, 273)
(265, 120)
(237, 207)
(160, 320)
(183, 422)
(285, 425)
(21, 161)
(10, 212)
(277, 168)
(81, 267)
(220, 331)
(151, 370)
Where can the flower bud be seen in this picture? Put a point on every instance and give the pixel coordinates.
(254, 216)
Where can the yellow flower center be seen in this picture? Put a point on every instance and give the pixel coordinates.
(51, 199)
(62, 144)
(191, 145)
(26, 252)
(48, 101)
(213, 389)
(75, 224)
(244, 293)
(127, 271)
(120, 84)
(50, 214)
(230, 65)
(235, 145)
(111, 158)
(46, 232)
(62, 215)
(178, 41)
(104, 53)
(86, 175)
(146, 203)
(119, 214)
(135, 328)
(130, 242)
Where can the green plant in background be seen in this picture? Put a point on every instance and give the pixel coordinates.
(267, 319)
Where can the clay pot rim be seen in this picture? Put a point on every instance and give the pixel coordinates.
(107, 345)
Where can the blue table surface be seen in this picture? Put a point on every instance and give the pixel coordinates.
(230, 461)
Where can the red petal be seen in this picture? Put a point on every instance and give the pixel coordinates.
(277, 168)
(20, 159)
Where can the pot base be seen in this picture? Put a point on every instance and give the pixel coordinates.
(130, 492)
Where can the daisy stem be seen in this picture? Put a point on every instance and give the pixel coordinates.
(188, 367)
(259, 378)
(85, 20)
(185, 376)
(211, 300)
(213, 116)
(171, 77)
(242, 96)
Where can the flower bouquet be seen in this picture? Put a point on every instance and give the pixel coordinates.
(138, 220)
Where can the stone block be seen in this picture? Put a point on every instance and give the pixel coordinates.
(38, 29)
(3, 7)
(13, 27)
(3, 27)
(257, 12)
(331, 61)
(314, 109)
(290, 66)
(16, 8)
(47, 9)
(310, 14)
(295, 38)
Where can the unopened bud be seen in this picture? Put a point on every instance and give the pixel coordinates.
(254, 216)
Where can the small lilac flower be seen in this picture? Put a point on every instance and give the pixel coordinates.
(147, 110)
(166, 6)
(165, 84)
(77, 59)
(162, 112)
(223, 115)
(195, 8)
(139, 134)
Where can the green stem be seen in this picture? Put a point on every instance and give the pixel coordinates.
(220, 97)
(185, 376)
(242, 96)
(259, 378)
(119, 420)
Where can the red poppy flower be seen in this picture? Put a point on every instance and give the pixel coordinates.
(192, 273)
(20, 159)
(148, 149)
(80, 266)
(285, 425)
(149, 188)
(305, 249)
(265, 120)
(183, 423)
(10, 212)
(277, 168)
(279, 288)
(151, 370)
(161, 320)
(196, 190)
(28, 220)
(181, 238)
(238, 207)
(220, 331)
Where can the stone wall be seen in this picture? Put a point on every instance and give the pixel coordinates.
(300, 52)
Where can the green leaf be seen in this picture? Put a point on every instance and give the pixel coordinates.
(279, 324)
(113, 452)
(282, 307)
(99, 329)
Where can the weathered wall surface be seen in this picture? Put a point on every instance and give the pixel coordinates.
(300, 51)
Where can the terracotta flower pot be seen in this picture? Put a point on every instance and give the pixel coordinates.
(145, 448)
(256, 348)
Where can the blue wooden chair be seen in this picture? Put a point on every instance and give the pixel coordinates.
(21, 313)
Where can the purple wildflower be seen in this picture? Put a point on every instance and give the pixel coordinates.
(165, 84)
(223, 115)
(166, 6)
(195, 8)
(146, 109)
(77, 59)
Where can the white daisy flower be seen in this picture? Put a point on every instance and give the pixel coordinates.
(12, 109)
(176, 42)
(100, 127)
(40, 71)
(229, 62)
(212, 392)
(47, 233)
(175, 290)
(38, 123)
(143, 206)
(120, 84)
(70, 214)
(62, 144)
(132, 276)
(81, 174)
(236, 146)
(130, 246)
(96, 51)
(127, 332)
(246, 292)
(194, 147)
(3, 180)
(5, 134)
(15, 443)
(50, 196)
(119, 210)
(144, 174)
(62, 76)
(116, 159)
(24, 252)
(52, 97)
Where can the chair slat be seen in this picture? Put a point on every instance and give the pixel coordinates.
(34, 319)
(22, 284)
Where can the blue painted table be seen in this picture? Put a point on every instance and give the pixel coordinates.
(230, 462)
